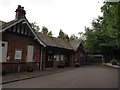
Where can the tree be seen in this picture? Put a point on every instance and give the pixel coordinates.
(61, 34)
(82, 36)
(73, 37)
(103, 37)
(35, 26)
(44, 30)
(50, 33)
(111, 27)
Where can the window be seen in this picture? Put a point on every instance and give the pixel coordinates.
(62, 58)
(30, 53)
(3, 51)
(50, 58)
(57, 57)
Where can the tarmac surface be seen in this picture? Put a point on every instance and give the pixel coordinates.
(92, 76)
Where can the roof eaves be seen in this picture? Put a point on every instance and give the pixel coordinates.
(5, 28)
(17, 21)
(40, 41)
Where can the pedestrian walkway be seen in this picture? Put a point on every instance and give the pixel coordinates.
(28, 75)
(110, 65)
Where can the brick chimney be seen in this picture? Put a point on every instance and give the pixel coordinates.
(66, 38)
(20, 12)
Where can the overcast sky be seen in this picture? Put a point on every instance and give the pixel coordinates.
(69, 15)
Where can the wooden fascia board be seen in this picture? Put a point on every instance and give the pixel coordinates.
(28, 26)
(34, 33)
(11, 25)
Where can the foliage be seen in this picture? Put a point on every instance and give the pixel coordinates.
(82, 36)
(114, 62)
(50, 33)
(77, 64)
(35, 26)
(61, 34)
(104, 36)
(61, 62)
(44, 30)
(30, 69)
(73, 37)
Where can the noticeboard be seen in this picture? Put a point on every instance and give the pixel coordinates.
(18, 54)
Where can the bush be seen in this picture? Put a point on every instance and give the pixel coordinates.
(77, 64)
(30, 69)
(61, 64)
(114, 62)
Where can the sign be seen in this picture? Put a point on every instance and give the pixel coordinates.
(18, 54)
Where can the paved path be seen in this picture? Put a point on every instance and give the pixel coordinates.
(28, 75)
(83, 77)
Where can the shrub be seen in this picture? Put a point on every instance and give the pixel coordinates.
(30, 69)
(61, 64)
(77, 64)
(114, 62)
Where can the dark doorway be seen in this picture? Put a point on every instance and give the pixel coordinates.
(49, 59)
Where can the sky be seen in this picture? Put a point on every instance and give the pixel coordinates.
(69, 15)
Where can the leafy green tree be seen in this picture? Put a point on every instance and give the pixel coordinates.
(50, 33)
(73, 37)
(82, 36)
(35, 26)
(61, 34)
(104, 36)
(44, 30)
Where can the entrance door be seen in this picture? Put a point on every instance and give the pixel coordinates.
(49, 59)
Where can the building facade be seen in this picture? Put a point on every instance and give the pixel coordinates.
(24, 48)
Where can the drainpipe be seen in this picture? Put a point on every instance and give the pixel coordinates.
(39, 56)
(41, 59)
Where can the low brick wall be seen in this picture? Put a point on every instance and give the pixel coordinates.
(22, 67)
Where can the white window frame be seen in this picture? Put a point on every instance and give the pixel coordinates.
(62, 57)
(1, 51)
(57, 57)
(30, 53)
(49, 57)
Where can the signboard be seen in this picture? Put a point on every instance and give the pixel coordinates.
(18, 54)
